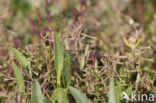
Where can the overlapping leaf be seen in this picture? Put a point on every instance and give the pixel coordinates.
(59, 96)
(78, 96)
(36, 93)
(21, 59)
(18, 75)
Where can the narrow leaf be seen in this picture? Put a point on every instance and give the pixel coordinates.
(36, 93)
(87, 51)
(118, 92)
(111, 92)
(78, 96)
(67, 72)
(128, 92)
(59, 58)
(59, 96)
(81, 59)
(18, 75)
(21, 59)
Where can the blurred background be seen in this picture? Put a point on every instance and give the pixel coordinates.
(108, 20)
(100, 18)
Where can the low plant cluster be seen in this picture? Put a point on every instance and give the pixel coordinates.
(59, 94)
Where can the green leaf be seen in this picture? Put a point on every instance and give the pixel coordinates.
(36, 93)
(18, 75)
(111, 92)
(67, 72)
(128, 92)
(118, 92)
(58, 57)
(47, 101)
(78, 96)
(59, 96)
(21, 59)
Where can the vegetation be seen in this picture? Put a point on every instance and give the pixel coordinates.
(76, 51)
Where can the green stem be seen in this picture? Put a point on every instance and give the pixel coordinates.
(58, 80)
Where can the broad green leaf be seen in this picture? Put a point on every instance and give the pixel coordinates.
(21, 59)
(67, 72)
(36, 93)
(59, 96)
(18, 75)
(111, 92)
(58, 57)
(78, 96)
